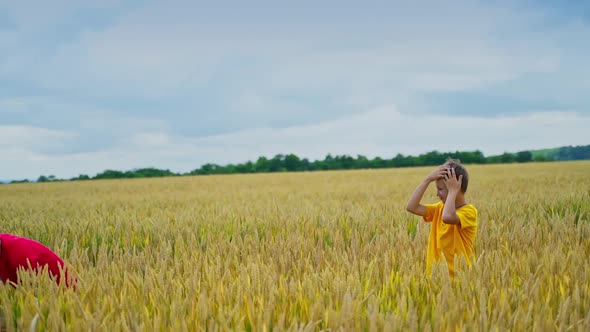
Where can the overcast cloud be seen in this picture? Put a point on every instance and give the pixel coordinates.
(122, 85)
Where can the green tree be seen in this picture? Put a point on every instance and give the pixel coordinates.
(276, 164)
(247, 167)
(20, 181)
(49, 178)
(43, 178)
(262, 165)
(378, 162)
(306, 165)
(345, 162)
(469, 157)
(207, 169)
(431, 158)
(540, 158)
(523, 156)
(110, 174)
(80, 177)
(328, 163)
(362, 162)
(292, 163)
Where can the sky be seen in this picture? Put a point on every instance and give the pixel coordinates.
(87, 86)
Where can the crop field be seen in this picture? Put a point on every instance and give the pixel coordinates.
(302, 251)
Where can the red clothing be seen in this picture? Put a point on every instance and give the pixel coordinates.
(18, 252)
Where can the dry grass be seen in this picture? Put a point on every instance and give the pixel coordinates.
(303, 251)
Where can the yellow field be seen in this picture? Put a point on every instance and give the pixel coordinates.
(303, 251)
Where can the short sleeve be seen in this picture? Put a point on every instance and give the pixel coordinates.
(430, 211)
(467, 216)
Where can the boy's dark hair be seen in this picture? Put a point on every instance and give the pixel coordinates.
(459, 170)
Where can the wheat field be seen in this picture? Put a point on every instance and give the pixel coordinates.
(302, 251)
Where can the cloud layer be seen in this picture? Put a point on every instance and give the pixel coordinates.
(384, 132)
(118, 85)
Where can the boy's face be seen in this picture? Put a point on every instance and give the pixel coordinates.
(441, 190)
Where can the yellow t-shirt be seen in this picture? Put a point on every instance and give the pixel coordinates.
(448, 239)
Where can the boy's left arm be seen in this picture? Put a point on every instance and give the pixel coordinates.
(449, 214)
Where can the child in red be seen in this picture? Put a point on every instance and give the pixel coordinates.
(18, 252)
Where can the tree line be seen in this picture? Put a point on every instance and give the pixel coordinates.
(293, 163)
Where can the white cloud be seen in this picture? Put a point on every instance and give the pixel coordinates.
(30, 137)
(150, 140)
(31, 15)
(383, 132)
(162, 50)
(13, 106)
(142, 85)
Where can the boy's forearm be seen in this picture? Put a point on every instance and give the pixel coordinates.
(449, 214)
(414, 201)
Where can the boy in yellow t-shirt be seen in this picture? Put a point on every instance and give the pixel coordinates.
(454, 222)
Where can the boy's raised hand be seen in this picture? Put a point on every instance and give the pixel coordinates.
(438, 173)
(450, 179)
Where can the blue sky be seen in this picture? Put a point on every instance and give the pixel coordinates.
(89, 86)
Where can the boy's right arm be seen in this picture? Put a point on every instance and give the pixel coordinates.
(413, 205)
